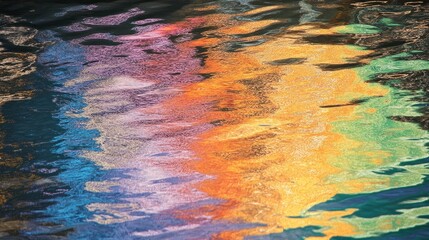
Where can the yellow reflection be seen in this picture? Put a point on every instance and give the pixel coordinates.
(271, 150)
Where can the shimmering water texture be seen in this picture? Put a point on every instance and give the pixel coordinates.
(214, 120)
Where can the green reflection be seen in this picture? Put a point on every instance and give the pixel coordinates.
(383, 143)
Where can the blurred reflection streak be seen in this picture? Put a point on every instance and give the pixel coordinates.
(135, 132)
(272, 149)
(264, 133)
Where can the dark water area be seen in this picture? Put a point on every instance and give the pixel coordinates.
(214, 119)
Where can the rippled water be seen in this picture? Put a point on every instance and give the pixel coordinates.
(214, 119)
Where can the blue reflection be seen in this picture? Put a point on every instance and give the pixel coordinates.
(57, 64)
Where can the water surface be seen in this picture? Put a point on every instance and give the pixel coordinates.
(214, 120)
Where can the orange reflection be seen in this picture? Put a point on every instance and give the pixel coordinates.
(272, 146)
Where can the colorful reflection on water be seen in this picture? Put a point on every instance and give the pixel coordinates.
(214, 120)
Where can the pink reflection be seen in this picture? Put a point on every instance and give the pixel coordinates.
(137, 132)
(168, 30)
(113, 19)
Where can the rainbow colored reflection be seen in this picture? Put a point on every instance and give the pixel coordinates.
(225, 120)
(288, 135)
